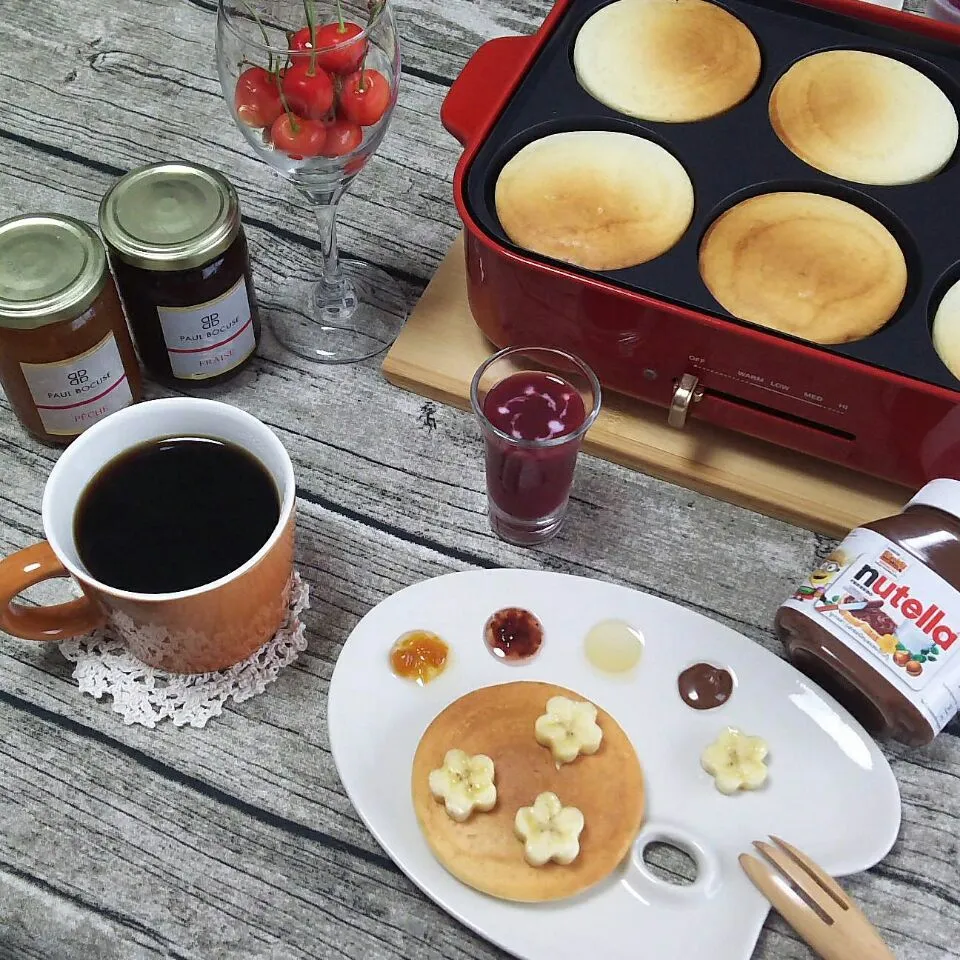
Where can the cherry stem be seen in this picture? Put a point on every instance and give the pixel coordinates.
(362, 86)
(291, 116)
(310, 10)
(263, 33)
(343, 26)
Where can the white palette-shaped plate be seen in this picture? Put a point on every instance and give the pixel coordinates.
(830, 791)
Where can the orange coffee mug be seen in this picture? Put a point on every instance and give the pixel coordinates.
(192, 631)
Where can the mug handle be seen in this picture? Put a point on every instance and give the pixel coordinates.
(60, 621)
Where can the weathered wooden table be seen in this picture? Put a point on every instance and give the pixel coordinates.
(237, 841)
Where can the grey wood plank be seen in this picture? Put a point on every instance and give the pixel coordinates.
(178, 103)
(338, 483)
(385, 502)
(397, 214)
(291, 774)
(180, 867)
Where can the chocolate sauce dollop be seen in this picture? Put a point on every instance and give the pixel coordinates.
(704, 686)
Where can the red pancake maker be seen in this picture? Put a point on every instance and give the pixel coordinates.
(885, 405)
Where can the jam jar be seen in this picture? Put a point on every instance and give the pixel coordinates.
(876, 623)
(179, 254)
(66, 360)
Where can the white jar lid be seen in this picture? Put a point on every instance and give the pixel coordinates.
(943, 494)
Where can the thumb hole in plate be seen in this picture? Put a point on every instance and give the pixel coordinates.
(668, 861)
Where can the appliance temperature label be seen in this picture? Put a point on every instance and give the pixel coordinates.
(73, 394)
(211, 338)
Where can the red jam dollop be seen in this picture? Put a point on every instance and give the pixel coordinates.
(513, 635)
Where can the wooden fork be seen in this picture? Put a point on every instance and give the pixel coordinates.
(813, 903)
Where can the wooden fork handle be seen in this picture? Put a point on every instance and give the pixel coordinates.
(850, 936)
(861, 938)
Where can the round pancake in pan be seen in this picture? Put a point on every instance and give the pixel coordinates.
(864, 117)
(946, 329)
(484, 851)
(666, 60)
(598, 199)
(805, 264)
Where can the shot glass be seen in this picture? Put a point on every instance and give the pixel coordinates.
(534, 404)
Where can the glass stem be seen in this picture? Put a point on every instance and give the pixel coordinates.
(325, 207)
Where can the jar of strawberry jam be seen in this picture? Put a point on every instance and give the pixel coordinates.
(66, 360)
(179, 254)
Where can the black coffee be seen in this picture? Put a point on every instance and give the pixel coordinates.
(174, 514)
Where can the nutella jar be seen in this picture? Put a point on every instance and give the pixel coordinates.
(66, 360)
(876, 623)
(179, 254)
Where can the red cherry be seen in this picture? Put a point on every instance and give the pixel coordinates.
(301, 41)
(365, 97)
(297, 137)
(343, 137)
(340, 49)
(308, 89)
(257, 98)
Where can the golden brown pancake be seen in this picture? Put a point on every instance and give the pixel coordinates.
(667, 60)
(597, 199)
(484, 852)
(864, 117)
(805, 264)
(946, 329)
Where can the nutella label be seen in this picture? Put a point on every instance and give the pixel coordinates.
(210, 338)
(896, 614)
(73, 394)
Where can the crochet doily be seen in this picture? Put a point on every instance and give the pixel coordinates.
(145, 695)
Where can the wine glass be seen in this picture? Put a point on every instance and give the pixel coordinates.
(312, 85)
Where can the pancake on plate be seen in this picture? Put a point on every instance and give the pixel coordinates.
(484, 852)
(595, 198)
(864, 117)
(946, 329)
(666, 60)
(805, 264)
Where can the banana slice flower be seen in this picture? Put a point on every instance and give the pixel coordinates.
(464, 784)
(735, 761)
(569, 728)
(549, 831)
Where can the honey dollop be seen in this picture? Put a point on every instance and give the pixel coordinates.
(613, 646)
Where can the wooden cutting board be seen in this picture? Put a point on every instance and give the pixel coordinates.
(441, 347)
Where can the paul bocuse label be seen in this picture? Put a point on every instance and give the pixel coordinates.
(73, 394)
(894, 612)
(211, 338)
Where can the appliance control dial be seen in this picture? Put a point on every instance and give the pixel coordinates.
(686, 392)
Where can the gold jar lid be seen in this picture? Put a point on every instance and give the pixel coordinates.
(51, 268)
(170, 216)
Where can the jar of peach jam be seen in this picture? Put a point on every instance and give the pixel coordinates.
(66, 359)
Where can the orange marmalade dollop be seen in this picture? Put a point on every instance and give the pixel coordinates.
(420, 656)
